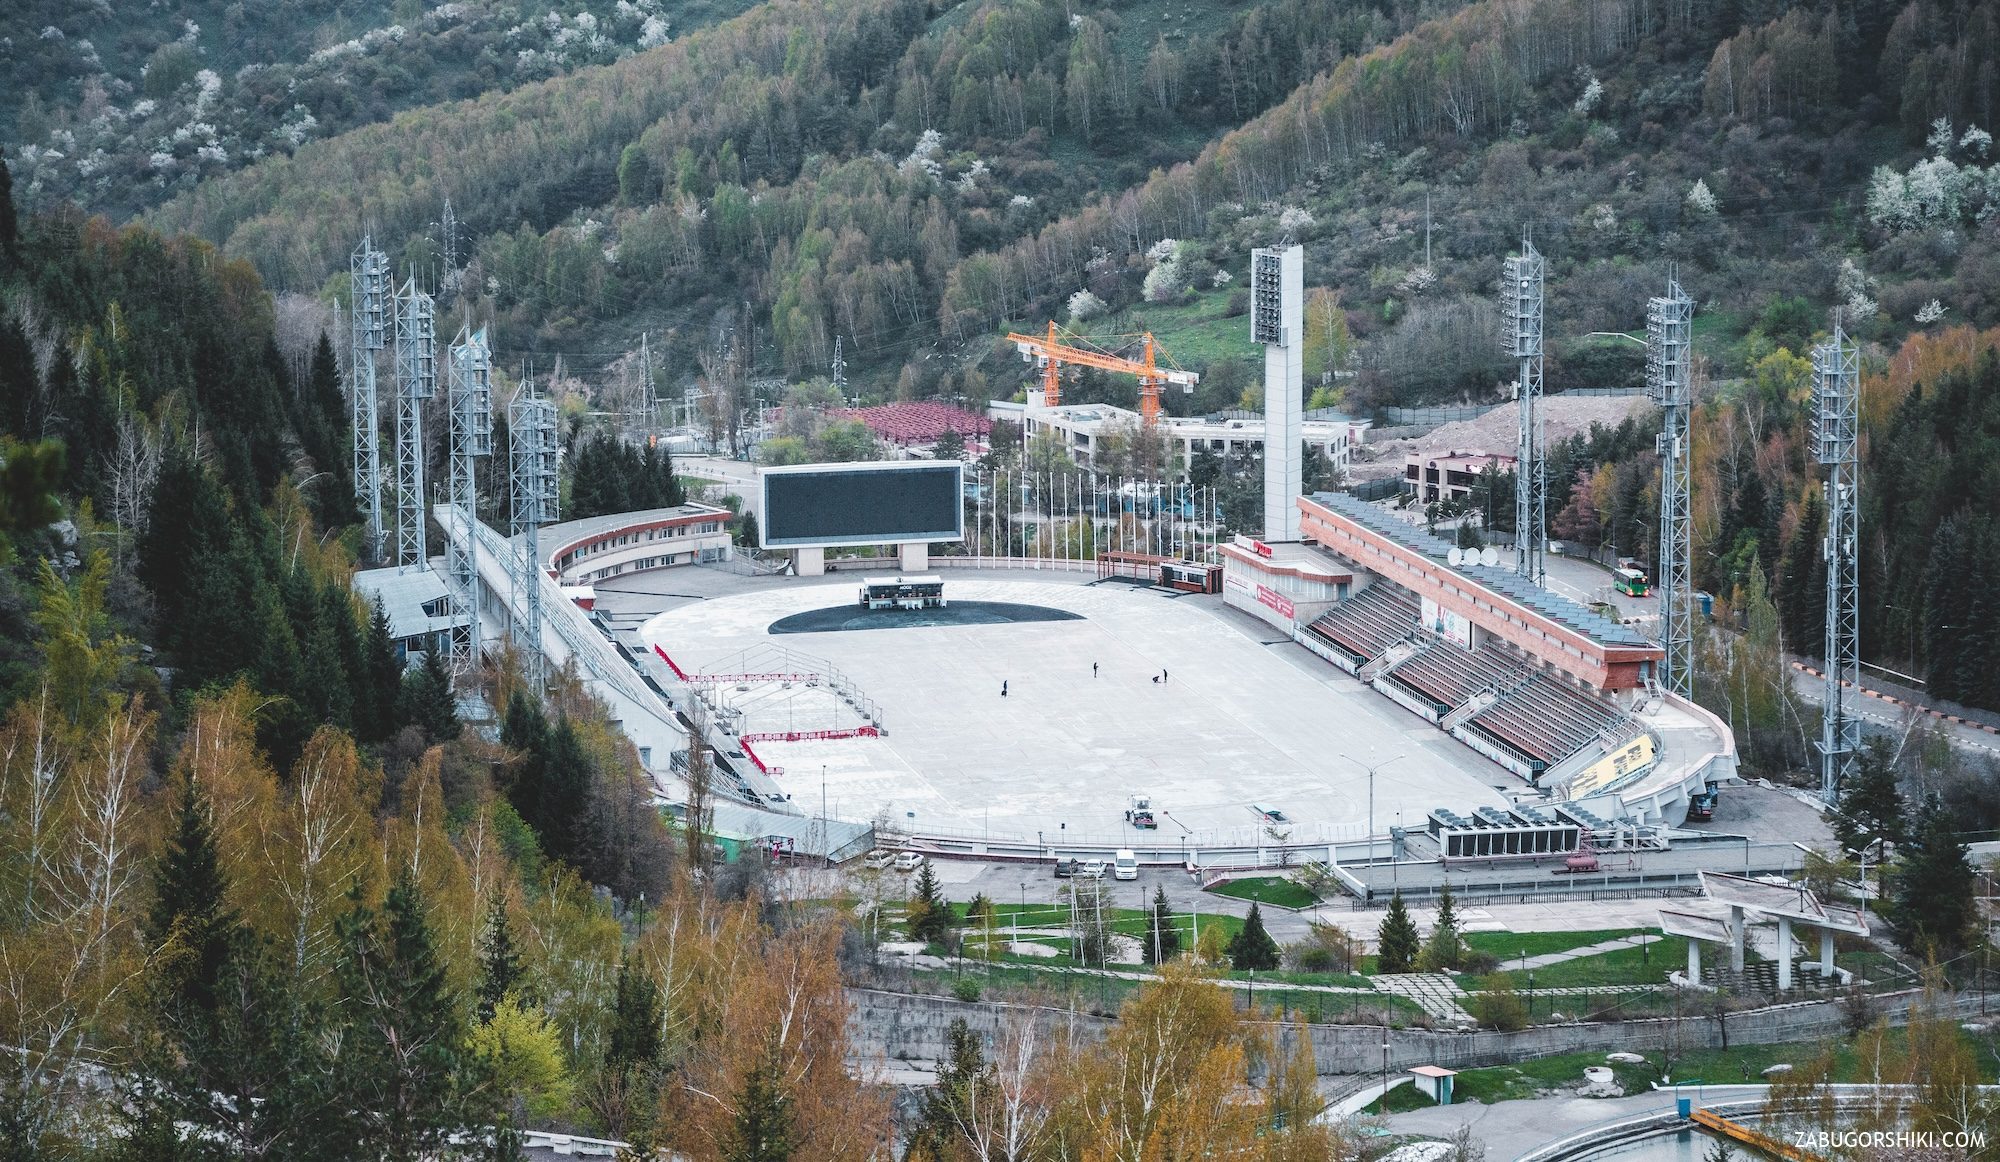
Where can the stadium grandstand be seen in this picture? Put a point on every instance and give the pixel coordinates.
(921, 422)
(1547, 688)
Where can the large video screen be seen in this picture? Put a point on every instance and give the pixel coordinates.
(862, 504)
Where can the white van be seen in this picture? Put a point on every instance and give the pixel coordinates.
(1125, 865)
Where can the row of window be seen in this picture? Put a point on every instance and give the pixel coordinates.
(651, 534)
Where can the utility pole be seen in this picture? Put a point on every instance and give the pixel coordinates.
(839, 371)
(1836, 423)
(368, 272)
(1521, 303)
(1669, 377)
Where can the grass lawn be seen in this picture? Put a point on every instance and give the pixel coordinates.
(1402, 1099)
(1267, 890)
(1509, 946)
(1624, 966)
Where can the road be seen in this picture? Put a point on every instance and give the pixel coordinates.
(1892, 718)
(738, 476)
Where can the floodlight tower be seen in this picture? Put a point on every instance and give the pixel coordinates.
(416, 382)
(532, 479)
(1836, 423)
(368, 270)
(1277, 320)
(471, 366)
(1669, 379)
(1521, 303)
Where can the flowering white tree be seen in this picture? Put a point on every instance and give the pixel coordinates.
(1165, 282)
(1853, 285)
(1593, 92)
(1930, 312)
(1700, 200)
(1293, 219)
(1084, 306)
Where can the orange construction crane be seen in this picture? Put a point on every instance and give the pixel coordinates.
(1052, 353)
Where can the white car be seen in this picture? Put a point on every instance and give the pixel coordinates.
(908, 861)
(1125, 866)
(1090, 869)
(878, 860)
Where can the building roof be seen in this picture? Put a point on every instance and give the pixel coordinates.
(1432, 1071)
(416, 601)
(555, 539)
(1787, 901)
(1694, 926)
(744, 823)
(919, 422)
(1505, 582)
(1242, 425)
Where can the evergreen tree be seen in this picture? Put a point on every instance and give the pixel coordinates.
(426, 698)
(190, 926)
(964, 1082)
(1802, 582)
(1252, 947)
(19, 384)
(399, 1058)
(1870, 810)
(747, 533)
(499, 960)
(930, 915)
(226, 1045)
(764, 1128)
(1932, 908)
(635, 1020)
(1445, 948)
(1396, 940)
(525, 731)
(564, 796)
(380, 678)
(1163, 942)
(10, 224)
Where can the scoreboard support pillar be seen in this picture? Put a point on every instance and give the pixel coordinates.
(809, 562)
(916, 556)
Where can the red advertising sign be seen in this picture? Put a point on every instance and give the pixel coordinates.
(1276, 600)
(1263, 550)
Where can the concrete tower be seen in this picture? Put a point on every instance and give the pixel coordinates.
(1277, 320)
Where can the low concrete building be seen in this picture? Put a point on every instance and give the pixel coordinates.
(1432, 477)
(1082, 426)
(582, 551)
(418, 604)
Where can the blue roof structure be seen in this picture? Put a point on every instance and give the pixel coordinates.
(1505, 582)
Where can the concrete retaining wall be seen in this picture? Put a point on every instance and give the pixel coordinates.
(902, 1026)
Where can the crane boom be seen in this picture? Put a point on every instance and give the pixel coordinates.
(1051, 352)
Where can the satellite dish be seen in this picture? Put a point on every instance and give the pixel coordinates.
(1489, 556)
(1456, 556)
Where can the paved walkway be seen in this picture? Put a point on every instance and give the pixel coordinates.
(1436, 993)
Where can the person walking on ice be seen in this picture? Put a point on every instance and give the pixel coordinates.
(1093, 669)
(1003, 687)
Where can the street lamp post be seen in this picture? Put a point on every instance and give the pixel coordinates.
(1371, 796)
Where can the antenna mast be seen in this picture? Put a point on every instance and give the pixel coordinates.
(1836, 422)
(1521, 302)
(1669, 378)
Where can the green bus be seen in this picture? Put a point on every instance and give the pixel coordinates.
(1630, 582)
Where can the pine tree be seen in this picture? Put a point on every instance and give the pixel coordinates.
(764, 1128)
(635, 1020)
(1870, 810)
(19, 384)
(426, 699)
(564, 796)
(1396, 939)
(379, 679)
(10, 225)
(1163, 941)
(499, 961)
(930, 915)
(1444, 949)
(948, 1108)
(1252, 948)
(1802, 582)
(399, 1064)
(525, 731)
(190, 926)
(1932, 906)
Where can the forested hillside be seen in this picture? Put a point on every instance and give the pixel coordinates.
(120, 108)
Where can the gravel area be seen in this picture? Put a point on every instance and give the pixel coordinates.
(1498, 431)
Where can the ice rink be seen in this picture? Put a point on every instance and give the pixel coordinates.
(1243, 718)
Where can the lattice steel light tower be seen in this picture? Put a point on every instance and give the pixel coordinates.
(1836, 423)
(416, 382)
(368, 270)
(1669, 378)
(471, 367)
(532, 479)
(1521, 303)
